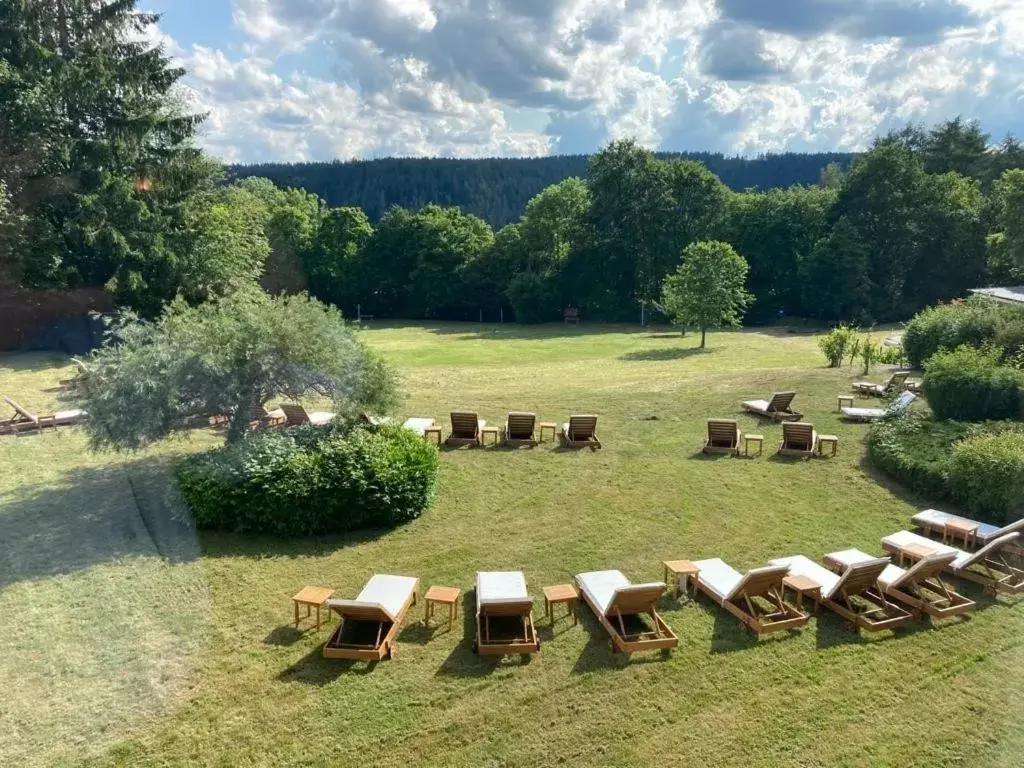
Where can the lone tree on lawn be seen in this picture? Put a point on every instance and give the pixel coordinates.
(226, 357)
(707, 290)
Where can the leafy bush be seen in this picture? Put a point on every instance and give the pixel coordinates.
(915, 451)
(986, 474)
(837, 343)
(975, 322)
(969, 384)
(310, 480)
(533, 297)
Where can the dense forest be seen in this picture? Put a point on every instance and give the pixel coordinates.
(498, 189)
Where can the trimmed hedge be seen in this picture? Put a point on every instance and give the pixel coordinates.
(986, 474)
(976, 322)
(969, 384)
(916, 451)
(310, 481)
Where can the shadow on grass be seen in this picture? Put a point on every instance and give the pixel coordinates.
(314, 669)
(95, 515)
(463, 661)
(513, 331)
(673, 353)
(284, 636)
(599, 652)
(228, 544)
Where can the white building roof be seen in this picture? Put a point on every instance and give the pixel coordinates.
(1014, 293)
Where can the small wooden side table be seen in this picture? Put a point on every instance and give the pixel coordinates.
(824, 440)
(492, 431)
(435, 430)
(311, 597)
(547, 425)
(847, 399)
(684, 574)
(748, 439)
(914, 552)
(960, 529)
(561, 593)
(803, 586)
(445, 596)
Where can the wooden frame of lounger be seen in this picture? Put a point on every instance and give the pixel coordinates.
(465, 429)
(25, 420)
(296, 415)
(723, 437)
(939, 531)
(762, 584)
(896, 381)
(519, 429)
(384, 645)
(778, 407)
(857, 599)
(924, 574)
(633, 603)
(521, 607)
(581, 432)
(994, 573)
(797, 433)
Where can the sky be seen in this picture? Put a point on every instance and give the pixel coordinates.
(295, 80)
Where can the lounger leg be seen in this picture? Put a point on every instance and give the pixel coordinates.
(296, 605)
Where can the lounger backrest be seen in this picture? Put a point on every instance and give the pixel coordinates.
(1015, 527)
(781, 401)
(990, 549)
(759, 581)
(897, 380)
(925, 568)
(798, 435)
(21, 411)
(723, 433)
(860, 577)
(636, 598)
(520, 425)
(355, 609)
(295, 413)
(512, 606)
(902, 402)
(464, 424)
(582, 427)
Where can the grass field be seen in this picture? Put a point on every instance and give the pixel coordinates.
(129, 639)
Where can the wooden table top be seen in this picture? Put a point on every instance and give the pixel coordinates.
(443, 594)
(314, 595)
(801, 583)
(681, 566)
(918, 550)
(558, 593)
(961, 526)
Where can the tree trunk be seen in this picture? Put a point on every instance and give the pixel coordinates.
(703, 337)
(238, 422)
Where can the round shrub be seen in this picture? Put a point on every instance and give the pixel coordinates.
(969, 384)
(948, 326)
(986, 474)
(309, 481)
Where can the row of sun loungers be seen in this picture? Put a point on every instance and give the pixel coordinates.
(869, 592)
(467, 428)
(798, 438)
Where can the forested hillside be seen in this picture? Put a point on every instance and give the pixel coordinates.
(498, 189)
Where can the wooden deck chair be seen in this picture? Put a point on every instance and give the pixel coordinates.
(988, 566)
(723, 436)
(897, 407)
(755, 597)
(82, 374)
(854, 595)
(370, 623)
(778, 408)
(24, 420)
(581, 432)
(894, 383)
(465, 429)
(519, 428)
(504, 615)
(798, 439)
(919, 587)
(627, 611)
(932, 522)
(296, 415)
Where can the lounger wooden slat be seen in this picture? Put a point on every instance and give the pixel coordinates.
(993, 566)
(779, 407)
(798, 439)
(581, 432)
(756, 598)
(723, 436)
(296, 415)
(370, 623)
(895, 383)
(465, 429)
(504, 615)
(519, 429)
(627, 611)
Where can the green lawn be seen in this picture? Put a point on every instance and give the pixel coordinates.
(128, 639)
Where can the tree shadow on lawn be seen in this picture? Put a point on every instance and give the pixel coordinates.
(254, 545)
(672, 353)
(95, 515)
(513, 331)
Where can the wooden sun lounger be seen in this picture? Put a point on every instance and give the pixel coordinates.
(519, 429)
(504, 615)
(933, 522)
(755, 598)
(374, 421)
(465, 429)
(419, 425)
(370, 623)
(581, 432)
(897, 407)
(24, 420)
(778, 408)
(919, 587)
(723, 436)
(894, 383)
(988, 566)
(296, 415)
(798, 439)
(627, 611)
(854, 595)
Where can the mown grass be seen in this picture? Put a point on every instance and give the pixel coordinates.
(131, 640)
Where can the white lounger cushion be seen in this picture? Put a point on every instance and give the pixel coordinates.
(600, 586)
(756, 405)
(804, 566)
(985, 533)
(848, 557)
(906, 538)
(498, 586)
(863, 414)
(718, 576)
(67, 417)
(319, 418)
(389, 593)
(418, 425)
